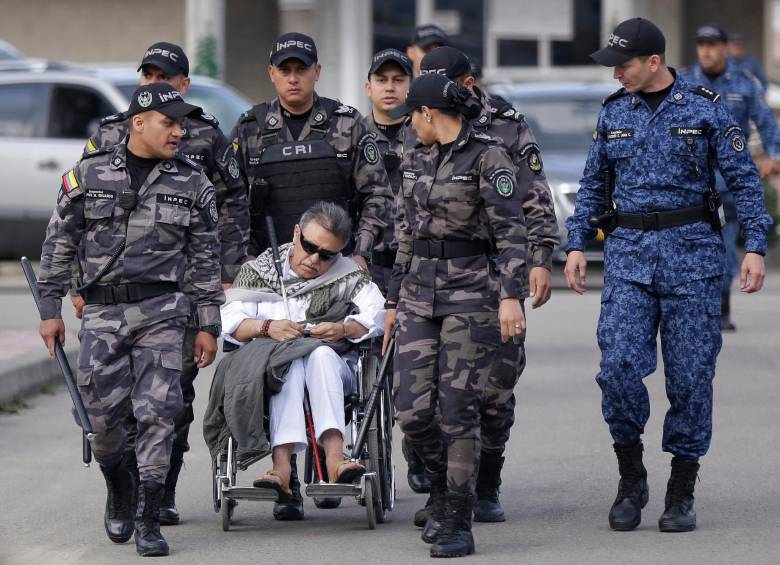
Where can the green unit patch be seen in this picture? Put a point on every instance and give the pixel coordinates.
(371, 152)
(505, 185)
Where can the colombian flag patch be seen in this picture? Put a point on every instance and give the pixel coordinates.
(69, 181)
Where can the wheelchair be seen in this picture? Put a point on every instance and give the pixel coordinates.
(368, 439)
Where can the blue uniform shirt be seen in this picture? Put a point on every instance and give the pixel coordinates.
(751, 65)
(744, 98)
(665, 160)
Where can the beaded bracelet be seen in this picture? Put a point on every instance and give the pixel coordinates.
(264, 328)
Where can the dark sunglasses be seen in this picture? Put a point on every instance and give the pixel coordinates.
(311, 249)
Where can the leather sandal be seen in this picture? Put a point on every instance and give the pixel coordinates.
(348, 476)
(282, 488)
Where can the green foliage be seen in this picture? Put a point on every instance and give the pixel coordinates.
(207, 57)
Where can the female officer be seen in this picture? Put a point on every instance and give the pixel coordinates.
(458, 280)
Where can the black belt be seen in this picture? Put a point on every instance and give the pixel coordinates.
(132, 292)
(660, 220)
(383, 258)
(450, 249)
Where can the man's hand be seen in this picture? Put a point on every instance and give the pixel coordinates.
(511, 318)
(329, 331)
(78, 304)
(769, 167)
(50, 331)
(389, 323)
(361, 262)
(281, 330)
(752, 273)
(205, 349)
(575, 268)
(540, 286)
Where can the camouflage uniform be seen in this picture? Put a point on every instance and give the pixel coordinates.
(205, 144)
(448, 331)
(498, 119)
(130, 356)
(341, 127)
(668, 279)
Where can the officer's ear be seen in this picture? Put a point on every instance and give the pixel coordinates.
(317, 69)
(469, 82)
(137, 123)
(184, 85)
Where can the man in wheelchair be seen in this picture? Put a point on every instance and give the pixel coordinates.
(330, 299)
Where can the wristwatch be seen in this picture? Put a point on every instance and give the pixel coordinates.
(214, 329)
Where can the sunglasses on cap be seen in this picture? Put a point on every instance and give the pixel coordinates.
(311, 249)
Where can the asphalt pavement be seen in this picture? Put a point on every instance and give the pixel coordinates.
(560, 476)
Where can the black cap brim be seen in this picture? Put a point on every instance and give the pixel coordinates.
(400, 111)
(405, 67)
(609, 57)
(180, 110)
(426, 42)
(166, 67)
(304, 58)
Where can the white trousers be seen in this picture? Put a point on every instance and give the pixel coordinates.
(326, 376)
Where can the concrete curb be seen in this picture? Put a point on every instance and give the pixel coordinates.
(26, 375)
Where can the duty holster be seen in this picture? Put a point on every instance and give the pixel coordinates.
(713, 209)
(607, 220)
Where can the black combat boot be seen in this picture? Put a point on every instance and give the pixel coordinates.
(632, 495)
(726, 324)
(435, 509)
(488, 508)
(169, 514)
(679, 515)
(121, 487)
(149, 542)
(418, 482)
(454, 538)
(292, 510)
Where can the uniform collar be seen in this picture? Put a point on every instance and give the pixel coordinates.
(119, 159)
(678, 95)
(273, 118)
(463, 137)
(487, 112)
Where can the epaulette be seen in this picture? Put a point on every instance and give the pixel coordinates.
(209, 119)
(98, 151)
(119, 117)
(614, 96)
(504, 109)
(188, 161)
(344, 110)
(706, 92)
(247, 116)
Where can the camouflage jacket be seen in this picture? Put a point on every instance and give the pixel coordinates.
(498, 119)
(170, 236)
(205, 144)
(665, 160)
(348, 134)
(392, 153)
(471, 194)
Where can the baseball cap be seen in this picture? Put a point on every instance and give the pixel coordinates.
(427, 35)
(168, 57)
(163, 98)
(432, 90)
(448, 61)
(294, 46)
(388, 56)
(712, 33)
(632, 38)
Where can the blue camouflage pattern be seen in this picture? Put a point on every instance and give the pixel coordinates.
(668, 278)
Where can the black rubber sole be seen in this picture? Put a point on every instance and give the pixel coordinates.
(618, 527)
(169, 519)
(469, 551)
(675, 528)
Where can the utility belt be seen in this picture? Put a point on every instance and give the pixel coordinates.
(383, 258)
(131, 292)
(660, 220)
(450, 248)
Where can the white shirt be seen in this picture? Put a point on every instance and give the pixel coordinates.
(369, 301)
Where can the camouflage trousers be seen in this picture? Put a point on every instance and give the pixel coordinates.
(124, 371)
(442, 367)
(498, 408)
(688, 319)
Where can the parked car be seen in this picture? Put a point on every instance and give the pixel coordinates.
(563, 116)
(46, 117)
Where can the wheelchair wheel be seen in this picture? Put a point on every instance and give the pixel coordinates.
(215, 484)
(371, 504)
(376, 443)
(228, 506)
(385, 433)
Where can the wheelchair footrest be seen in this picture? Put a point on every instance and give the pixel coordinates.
(337, 489)
(250, 493)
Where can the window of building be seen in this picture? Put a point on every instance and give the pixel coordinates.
(518, 52)
(587, 36)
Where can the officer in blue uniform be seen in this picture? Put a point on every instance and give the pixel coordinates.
(744, 97)
(648, 184)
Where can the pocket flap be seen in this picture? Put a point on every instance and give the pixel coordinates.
(171, 360)
(488, 333)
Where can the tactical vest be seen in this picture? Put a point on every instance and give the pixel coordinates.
(289, 176)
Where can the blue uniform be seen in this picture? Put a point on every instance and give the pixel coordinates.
(667, 279)
(744, 97)
(751, 65)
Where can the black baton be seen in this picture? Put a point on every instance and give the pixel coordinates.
(62, 361)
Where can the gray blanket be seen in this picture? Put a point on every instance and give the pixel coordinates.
(236, 405)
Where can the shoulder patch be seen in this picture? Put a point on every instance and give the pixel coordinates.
(503, 181)
(706, 93)
(344, 110)
(91, 150)
(483, 137)
(113, 118)
(209, 119)
(530, 152)
(614, 96)
(247, 116)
